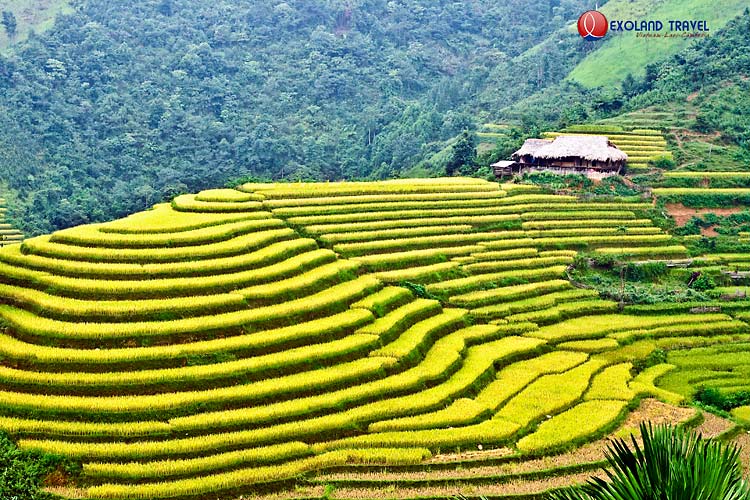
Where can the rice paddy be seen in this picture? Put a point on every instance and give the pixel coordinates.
(8, 234)
(252, 341)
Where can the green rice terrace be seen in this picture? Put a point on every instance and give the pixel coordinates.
(8, 234)
(396, 339)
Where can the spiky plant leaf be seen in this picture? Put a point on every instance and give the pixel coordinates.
(671, 464)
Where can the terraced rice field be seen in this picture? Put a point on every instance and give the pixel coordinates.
(705, 196)
(667, 116)
(235, 340)
(641, 145)
(8, 234)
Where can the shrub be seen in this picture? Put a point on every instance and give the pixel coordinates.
(714, 398)
(703, 283)
(22, 473)
(664, 162)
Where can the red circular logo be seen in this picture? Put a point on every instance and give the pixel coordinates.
(592, 25)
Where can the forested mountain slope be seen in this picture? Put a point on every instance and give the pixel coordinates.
(124, 103)
(120, 105)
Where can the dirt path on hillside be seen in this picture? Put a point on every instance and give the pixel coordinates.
(683, 214)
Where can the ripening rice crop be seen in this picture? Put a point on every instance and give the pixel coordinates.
(509, 293)
(549, 394)
(331, 300)
(327, 328)
(191, 203)
(240, 337)
(42, 245)
(92, 236)
(227, 195)
(488, 280)
(163, 218)
(580, 422)
(269, 254)
(532, 304)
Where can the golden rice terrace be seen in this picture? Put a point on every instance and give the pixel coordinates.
(271, 337)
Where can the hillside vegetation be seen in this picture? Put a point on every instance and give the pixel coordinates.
(239, 337)
(121, 105)
(625, 54)
(117, 107)
(30, 16)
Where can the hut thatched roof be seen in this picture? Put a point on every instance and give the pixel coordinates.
(530, 146)
(589, 147)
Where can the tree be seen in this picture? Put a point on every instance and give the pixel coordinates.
(672, 464)
(463, 156)
(10, 23)
(630, 86)
(165, 8)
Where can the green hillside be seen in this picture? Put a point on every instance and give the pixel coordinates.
(31, 15)
(126, 104)
(624, 53)
(234, 340)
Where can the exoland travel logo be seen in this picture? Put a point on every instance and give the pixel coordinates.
(592, 25)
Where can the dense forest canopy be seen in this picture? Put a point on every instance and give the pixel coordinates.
(124, 103)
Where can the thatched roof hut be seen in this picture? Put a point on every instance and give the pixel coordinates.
(589, 147)
(575, 153)
(531, 146)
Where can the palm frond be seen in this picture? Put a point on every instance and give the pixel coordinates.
(670, 464)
